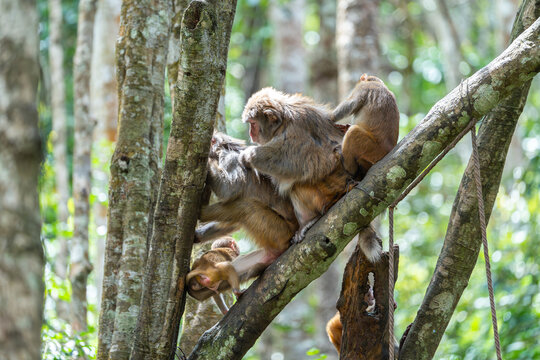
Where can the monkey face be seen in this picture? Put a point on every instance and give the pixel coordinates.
(264, 112)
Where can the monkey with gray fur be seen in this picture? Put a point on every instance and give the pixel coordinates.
(299, 147)
(248, 200)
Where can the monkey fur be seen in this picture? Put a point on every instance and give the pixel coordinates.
(215, 266)
(248, 200)
(375, 128)
(299, 147)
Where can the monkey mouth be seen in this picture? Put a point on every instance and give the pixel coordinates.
(253, 131)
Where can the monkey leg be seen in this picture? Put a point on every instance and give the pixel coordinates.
(301, 234)
(213, 230)
(264, 226)
(218, 299)
(361, 149)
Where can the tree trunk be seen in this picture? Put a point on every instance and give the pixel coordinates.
(135, 169)
(462, 242)
(365, 334)
(104, 108)
(59, 140)
(324, 69)
(357, 42)
(289, 53)
(304, 262)
(203, 64)
(21, 254)
(84, 124)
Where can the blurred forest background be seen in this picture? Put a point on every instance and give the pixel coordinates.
(422, 50)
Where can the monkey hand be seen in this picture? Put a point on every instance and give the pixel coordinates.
(238, 293)
(246, 156)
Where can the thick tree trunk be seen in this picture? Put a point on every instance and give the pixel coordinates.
(304, 262)
(84, 124)
(21, 254)
(203, 61)
(135, 169)
(289, 53)
(59, 139)
(462, 242)
(357, 42)
(104, 108)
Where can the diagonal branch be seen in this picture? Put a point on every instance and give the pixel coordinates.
(462, 242)
(303, 263)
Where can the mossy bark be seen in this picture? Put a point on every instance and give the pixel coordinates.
(303, 263)
(206, 28)
(463, 241)
(21, 254)
(135, 168)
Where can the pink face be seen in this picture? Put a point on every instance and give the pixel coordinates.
(253, 130)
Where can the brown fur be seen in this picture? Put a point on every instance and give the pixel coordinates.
(334, 329)
(214, 266)
(376, 124)
(249, 200)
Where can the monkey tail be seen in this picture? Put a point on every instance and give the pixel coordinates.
(370, 244)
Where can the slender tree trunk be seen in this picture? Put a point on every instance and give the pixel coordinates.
(104, 108)
(463, 241)
(357, 41)
(324, 69)
(84, 124)
(289, 53)
(21, 254)
(304, 262)
(59, 139)
(135, 169)
(323, 85)
(207, 25)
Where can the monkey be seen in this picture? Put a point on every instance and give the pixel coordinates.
(214, 267)
(334, 329)
(299, 148)
(248, 200)
(375, 128)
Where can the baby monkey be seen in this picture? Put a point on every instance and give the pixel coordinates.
(213, 267)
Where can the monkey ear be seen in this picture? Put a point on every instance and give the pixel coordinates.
(271, 116)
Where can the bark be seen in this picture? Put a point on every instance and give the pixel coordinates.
(357, 42)
(135, 169)
(365, 334)
(324, 69)
(80, 265)
(59, 140)
(303, 263)
(173, 56)
(463, 241)
(207, 26)
(21, 254)
(289, 52)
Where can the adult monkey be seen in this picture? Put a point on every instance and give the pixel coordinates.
(299, 147)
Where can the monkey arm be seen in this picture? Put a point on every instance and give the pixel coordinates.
(292, 159)
(218, 299)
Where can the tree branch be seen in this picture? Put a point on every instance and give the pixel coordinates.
(303, 263)
(462, 242)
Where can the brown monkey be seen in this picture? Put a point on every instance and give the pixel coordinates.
(248, 200)
(376, 124)
(214, 267)
(299, 149)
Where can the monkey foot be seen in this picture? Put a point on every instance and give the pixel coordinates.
(301, 234)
